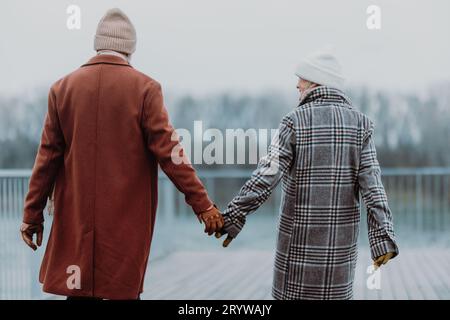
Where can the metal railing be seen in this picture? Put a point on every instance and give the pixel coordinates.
(419, 199)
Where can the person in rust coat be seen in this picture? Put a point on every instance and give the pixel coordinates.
(104, 135)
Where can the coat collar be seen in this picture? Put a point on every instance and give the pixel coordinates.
(107, 59)
(323, 95)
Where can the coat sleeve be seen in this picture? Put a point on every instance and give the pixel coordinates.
(47, 163)
(163, 142)
(271, 168)
(379, 216)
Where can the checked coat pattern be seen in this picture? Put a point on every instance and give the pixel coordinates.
(325, 156)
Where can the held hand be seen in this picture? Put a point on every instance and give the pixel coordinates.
(382, 259)
(28, 230)
(227, 241)
(213, 220)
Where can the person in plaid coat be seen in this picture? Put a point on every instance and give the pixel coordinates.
(325, 156)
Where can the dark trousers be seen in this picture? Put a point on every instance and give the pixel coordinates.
(90, 298)
(83, 298)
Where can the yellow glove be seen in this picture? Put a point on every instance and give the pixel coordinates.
(227, 241)
(382, 259)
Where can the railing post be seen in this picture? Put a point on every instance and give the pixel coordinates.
(438, 209)
(419, 216)
(446, 199)
(168, 200)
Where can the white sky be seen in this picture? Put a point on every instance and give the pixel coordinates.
(207, 46)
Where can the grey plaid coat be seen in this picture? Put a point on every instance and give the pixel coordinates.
(325, 156)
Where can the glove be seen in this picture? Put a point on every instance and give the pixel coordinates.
(382, 259)
(213, 220)
(228, 239)
(28, 230)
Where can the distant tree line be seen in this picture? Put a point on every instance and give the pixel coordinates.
(412, 129)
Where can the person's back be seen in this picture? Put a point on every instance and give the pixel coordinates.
(109, 176)
(325, 155)
(105, 133)
(100, 109)
(332, 163)
(331, 133)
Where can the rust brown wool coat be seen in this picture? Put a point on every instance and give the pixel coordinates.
(105, 132)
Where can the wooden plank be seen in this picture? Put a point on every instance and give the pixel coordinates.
(386, 291)
(218, 270)
(427, 275)
(263, 289)
(397, 280)
(407, 266)
(440, 261)
(261, 272)
(166, 276)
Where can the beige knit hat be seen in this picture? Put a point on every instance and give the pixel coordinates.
(115, 32)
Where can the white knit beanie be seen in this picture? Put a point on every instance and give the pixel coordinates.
(115, 32)
(323, 68)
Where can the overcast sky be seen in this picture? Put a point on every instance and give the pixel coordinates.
(207, 46)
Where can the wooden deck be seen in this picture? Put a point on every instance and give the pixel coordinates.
(241, 274)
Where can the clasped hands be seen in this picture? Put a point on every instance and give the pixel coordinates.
(214, 223)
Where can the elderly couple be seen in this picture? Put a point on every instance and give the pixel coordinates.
(106, 132)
